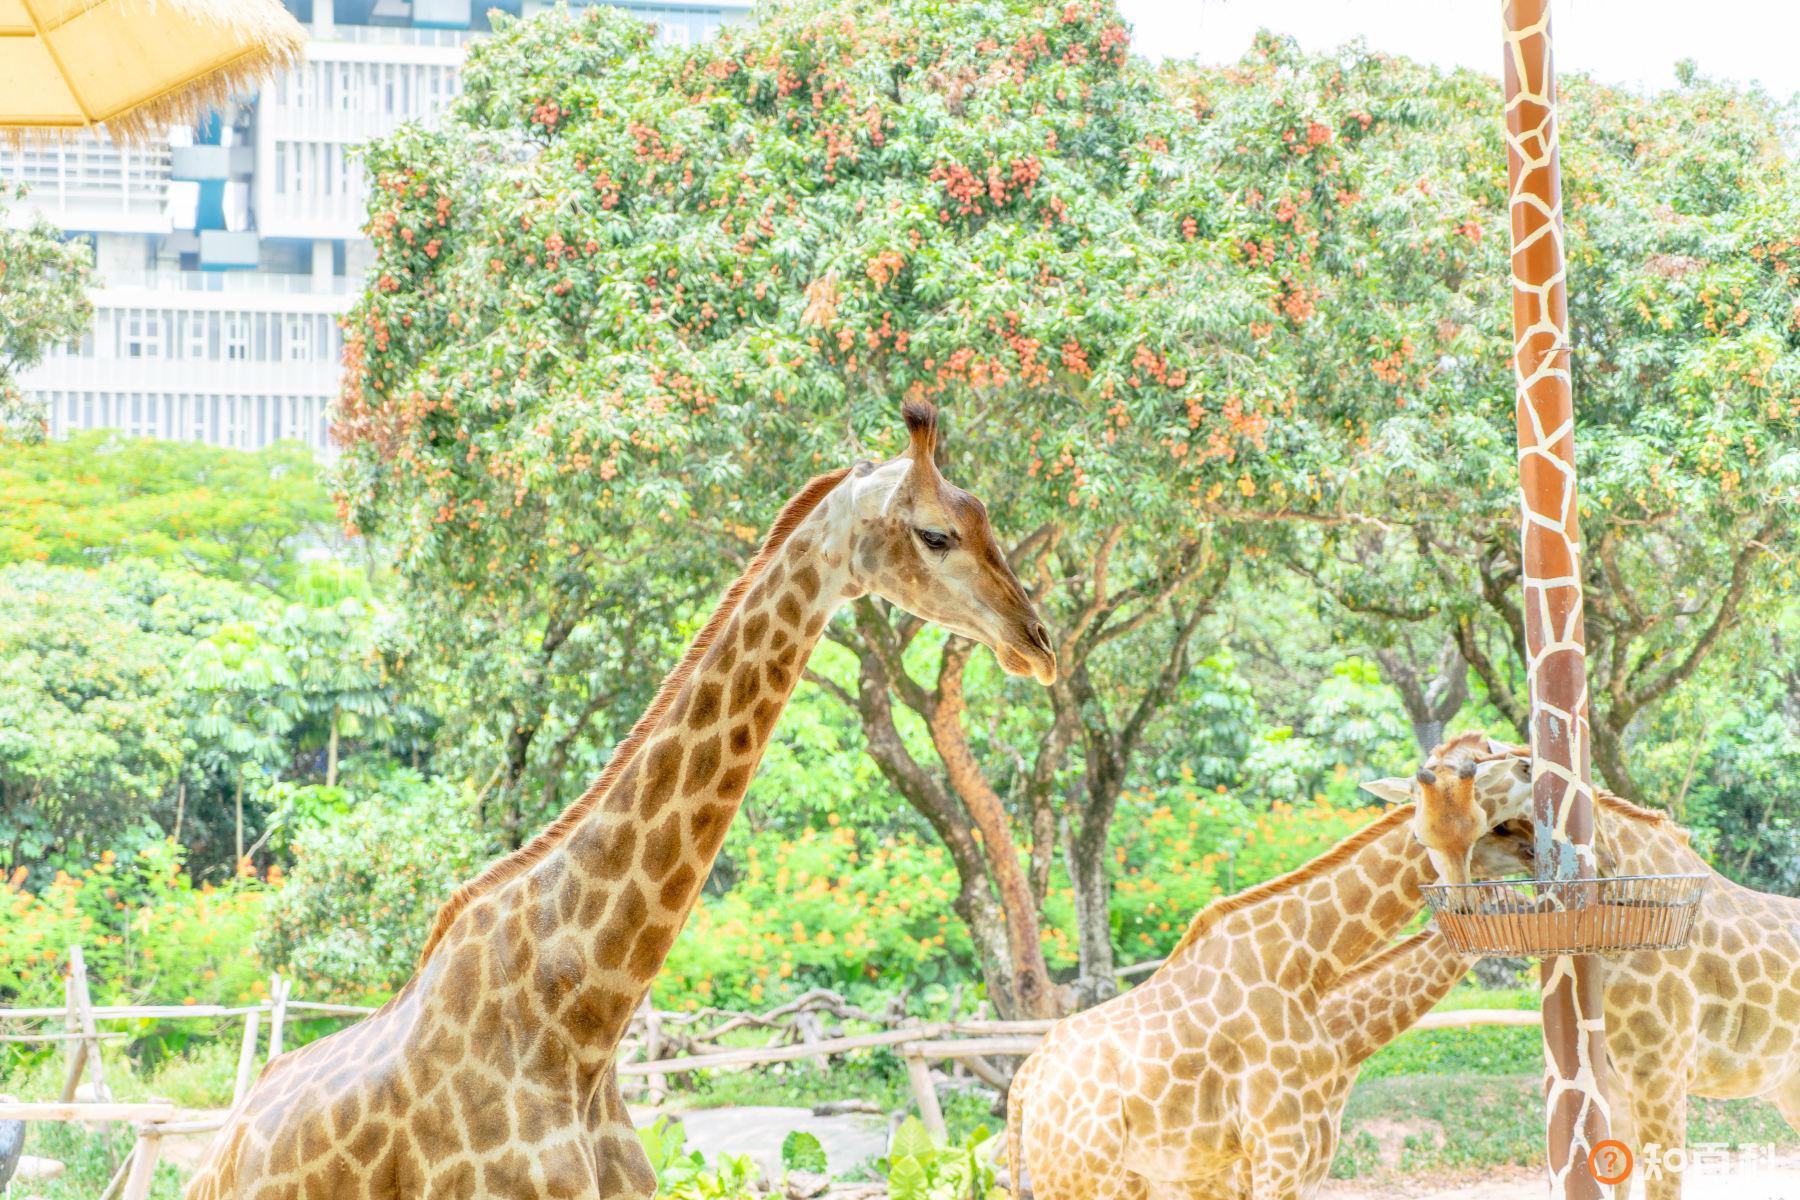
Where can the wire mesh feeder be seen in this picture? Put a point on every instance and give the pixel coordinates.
(1547, 917)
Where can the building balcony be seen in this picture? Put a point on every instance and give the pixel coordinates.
(226, 250)
(402, 35)
(163, 376)
(200, 164)
(236, 283)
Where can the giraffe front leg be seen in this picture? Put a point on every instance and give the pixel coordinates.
(1658, 1106)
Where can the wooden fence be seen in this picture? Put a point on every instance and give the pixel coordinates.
(659, 1044)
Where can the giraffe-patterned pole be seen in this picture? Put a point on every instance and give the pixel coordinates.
(1574, 1017)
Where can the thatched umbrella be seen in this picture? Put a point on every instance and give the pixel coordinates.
(134, 66)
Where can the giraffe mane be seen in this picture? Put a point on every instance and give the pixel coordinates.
(534, 851)
(1224, 906)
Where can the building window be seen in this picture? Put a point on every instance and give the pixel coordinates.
(236, 336)
(299, 339)
(143, 334)
(198, 343)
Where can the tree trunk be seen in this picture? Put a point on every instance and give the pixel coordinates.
(1030, 974)
(180, 808)
(239, 860)
(518, 751)
(1609, 756)
(1086, 862)
(331, 751)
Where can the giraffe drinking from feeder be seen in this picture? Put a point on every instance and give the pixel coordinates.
(1720, 1018)
(492, 1073)
(1224, 1075)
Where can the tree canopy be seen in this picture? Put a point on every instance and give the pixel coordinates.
(1182, 323)
(43, 302)
(98, 496)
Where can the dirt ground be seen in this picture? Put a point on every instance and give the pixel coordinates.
(850, 1139)
(1765, 1180)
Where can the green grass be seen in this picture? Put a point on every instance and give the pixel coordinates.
(91, 1159)
(1435, 1124)
(200, 1077)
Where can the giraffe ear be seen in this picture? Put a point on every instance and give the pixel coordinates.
(1395, 790)
(921, 419)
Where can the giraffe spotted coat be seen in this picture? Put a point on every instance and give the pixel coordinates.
(491, 1073)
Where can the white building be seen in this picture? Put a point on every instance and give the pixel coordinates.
(225, 257)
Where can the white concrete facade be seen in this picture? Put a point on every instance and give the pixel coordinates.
(223, 268)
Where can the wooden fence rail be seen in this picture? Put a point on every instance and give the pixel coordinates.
(798, 1033)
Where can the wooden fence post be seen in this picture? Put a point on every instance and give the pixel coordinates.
(656, 1087)
(918, 1071)
(80, 1021)
(278, 995)
(811, 1031)
(143, 1165)
(246, 1057)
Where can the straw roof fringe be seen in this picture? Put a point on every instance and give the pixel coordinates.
(268, 38)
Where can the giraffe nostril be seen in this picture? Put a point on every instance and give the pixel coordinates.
(1040, 637)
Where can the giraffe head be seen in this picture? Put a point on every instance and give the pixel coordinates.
(925, 544)
(1474, 806)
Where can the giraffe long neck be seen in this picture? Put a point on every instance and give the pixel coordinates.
(1382, 998)
(1304, 931)
(1630, 845)
(584, 930)
(1345, 913)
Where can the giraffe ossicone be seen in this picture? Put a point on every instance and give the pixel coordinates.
(491, 1073)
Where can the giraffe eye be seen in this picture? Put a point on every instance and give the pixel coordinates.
(933, 539)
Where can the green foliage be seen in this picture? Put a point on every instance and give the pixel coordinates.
(91, 728)
(918, 1168)
(1432, 1125)
(803, 1152)
(142, 924)
(43, 302)
(98, 496)
(682, 1174)
(352, 917)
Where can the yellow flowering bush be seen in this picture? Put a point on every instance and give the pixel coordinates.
(827, 908)
(145, 929)
(842, 908)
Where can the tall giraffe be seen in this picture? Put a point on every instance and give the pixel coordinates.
(1575, 1116)
(491, 1073)
(1720, 1018)
(1224, 1075)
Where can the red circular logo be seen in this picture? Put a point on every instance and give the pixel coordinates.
(1610, 1161)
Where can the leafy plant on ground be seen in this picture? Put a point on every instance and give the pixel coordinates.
(682, 1174)
(919, 1168)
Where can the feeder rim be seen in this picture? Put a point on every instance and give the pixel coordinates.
(1523, 879)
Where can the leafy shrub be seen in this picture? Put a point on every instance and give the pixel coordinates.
(143, 926)
(821, 910)
(682, 1174)
(849, 910)
(918, 1168)
(354, 913)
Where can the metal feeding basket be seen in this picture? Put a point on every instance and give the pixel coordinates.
(1547, 917)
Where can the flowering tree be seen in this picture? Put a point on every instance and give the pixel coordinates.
(43, 302)
(626, 300)
(1685, 306)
